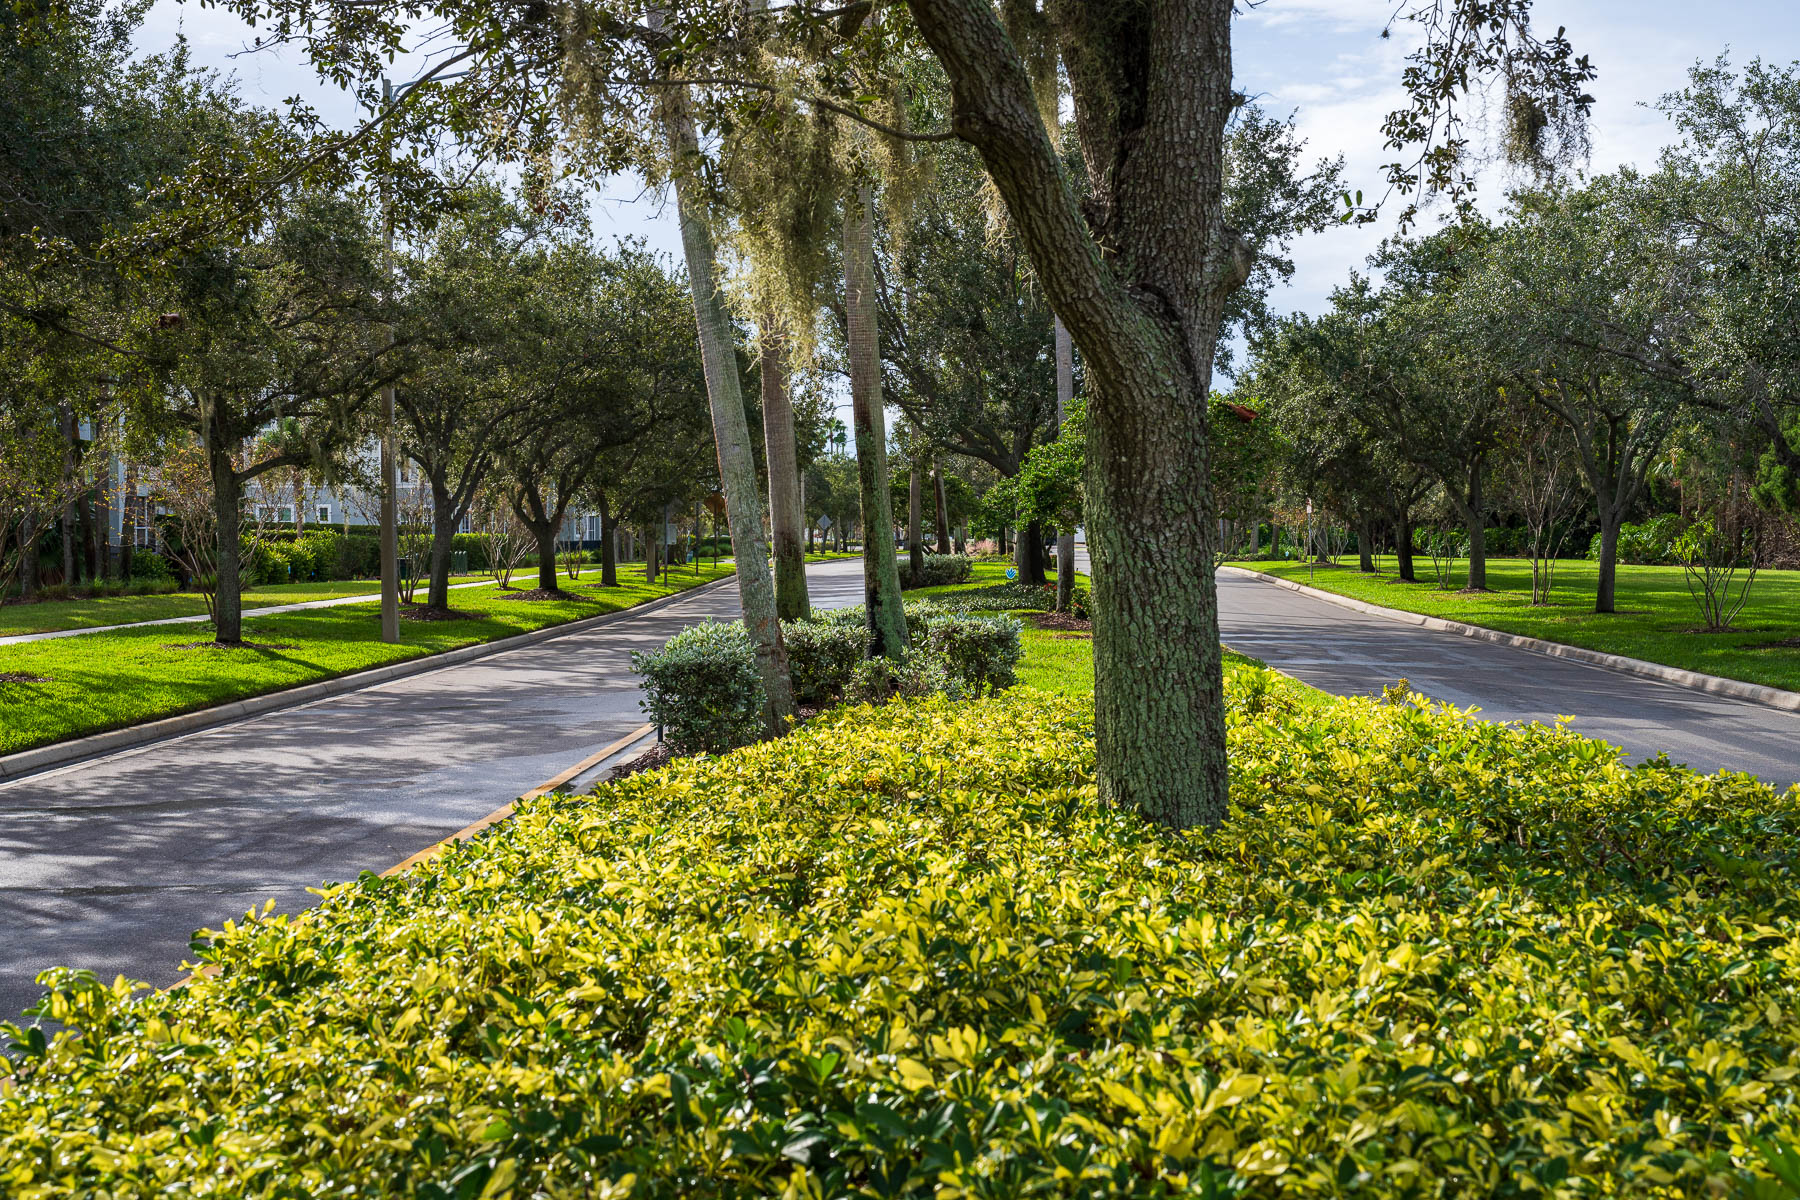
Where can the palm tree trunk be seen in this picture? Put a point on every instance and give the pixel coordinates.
(1065, 392)
(791, 600)
(943, 511)
(731, 431)
(881, 569)
(915, 522)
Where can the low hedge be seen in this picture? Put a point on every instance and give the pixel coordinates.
(906, 951)
(936, 570)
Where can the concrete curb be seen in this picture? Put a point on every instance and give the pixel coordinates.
(43, 758)
(1736, 689)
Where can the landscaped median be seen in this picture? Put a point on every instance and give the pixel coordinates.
(904, 951)
(1657, 620)
(69, 687)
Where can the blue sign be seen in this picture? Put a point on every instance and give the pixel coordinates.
(1012, 572)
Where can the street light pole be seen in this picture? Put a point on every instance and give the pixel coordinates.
(390, 533)
(390, 483)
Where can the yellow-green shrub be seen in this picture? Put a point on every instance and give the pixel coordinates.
(905, 952)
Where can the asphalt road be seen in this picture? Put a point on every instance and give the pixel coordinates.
(113, 863)
(1339, 650)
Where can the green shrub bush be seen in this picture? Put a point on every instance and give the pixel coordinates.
(938, 570)
(1651, 543)
(979, 653)
(907, 951)
(821, 657)
(703, 689)
(148, 564)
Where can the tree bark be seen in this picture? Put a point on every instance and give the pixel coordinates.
(1152, 98)
(1403, 549)
(791, 600)
(228, 607)
(609, 551)
(915, 523)
(1031, 554)
(67, 516)
(444, 520)
(1605, 593)
(881, 568)
(1365, 544)
(731, 431)
(1065, 393)
(1475, 516)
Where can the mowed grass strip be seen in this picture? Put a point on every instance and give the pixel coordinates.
(46, 616)
(1657, 620)
(104, 681)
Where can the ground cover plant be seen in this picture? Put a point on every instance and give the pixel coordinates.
(102, 681)
(905, 951)
(1657, 619)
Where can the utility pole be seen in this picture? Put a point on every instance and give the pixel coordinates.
(390, 533)
(390, 483)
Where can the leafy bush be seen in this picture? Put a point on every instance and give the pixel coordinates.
(908, 951)
(822, 655)
(979, 653)
(1081, 603)
(1653, 543)
(939, 570)
(148, 564)
(703, 689)
(878, 680)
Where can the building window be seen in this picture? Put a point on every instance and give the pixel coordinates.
(324, 514)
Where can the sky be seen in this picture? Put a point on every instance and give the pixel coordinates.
(1321, 60)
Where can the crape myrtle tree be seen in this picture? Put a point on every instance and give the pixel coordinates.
(1140, 264)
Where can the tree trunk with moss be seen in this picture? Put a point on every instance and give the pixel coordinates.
(1152, 98)
(881, 566)
(791, 600)
(731, 430)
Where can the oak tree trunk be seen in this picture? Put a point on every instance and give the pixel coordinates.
(1152, 99)
(1605, 594)
(228, 606)
(1403, 549)
(609, 549)
(444, 520)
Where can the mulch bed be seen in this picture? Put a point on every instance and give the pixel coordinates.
(424, 612)
(224, 646)
(541, 594)
(21, 677)
(1063, 621)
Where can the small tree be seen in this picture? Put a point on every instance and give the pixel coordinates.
(1543, 481)
(508, 541)
(413, 516)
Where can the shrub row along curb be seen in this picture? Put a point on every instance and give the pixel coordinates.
(43, 758)
(1737, 689)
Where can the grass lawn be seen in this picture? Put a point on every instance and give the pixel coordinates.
(123, 610)
(109, 680)
(1657, 619)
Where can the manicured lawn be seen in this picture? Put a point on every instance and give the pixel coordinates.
(1657, 619)
(109, 680)
(123, 610)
